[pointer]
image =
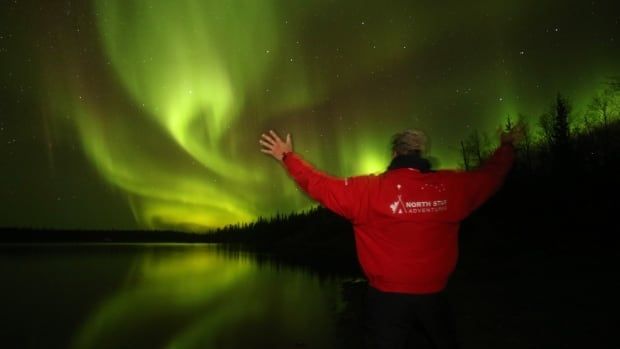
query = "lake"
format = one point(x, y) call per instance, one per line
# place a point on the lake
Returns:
point(162, 296)
point(205, 296)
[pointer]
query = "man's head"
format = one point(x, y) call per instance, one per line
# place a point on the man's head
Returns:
point(409, 142)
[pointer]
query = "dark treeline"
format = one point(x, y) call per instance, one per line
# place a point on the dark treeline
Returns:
point(562, 190)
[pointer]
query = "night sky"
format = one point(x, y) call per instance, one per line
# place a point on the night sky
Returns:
point(121, 114)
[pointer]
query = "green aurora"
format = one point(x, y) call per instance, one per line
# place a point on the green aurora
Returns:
point(166, 100)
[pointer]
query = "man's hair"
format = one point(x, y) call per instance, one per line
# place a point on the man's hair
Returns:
point(409, 142)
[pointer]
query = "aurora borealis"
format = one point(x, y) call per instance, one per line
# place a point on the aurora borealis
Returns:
point(147, 113)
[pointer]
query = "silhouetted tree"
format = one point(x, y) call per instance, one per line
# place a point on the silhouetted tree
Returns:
point(545, 121)
point(561, 126)
point(526, 145)
point(600, 108)
point(556, 131)
point(588, 124)
point(475, 149)
point(471, 150)
point(465, 156)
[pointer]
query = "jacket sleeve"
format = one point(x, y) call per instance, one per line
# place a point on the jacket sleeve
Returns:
point(339, 195)
point(479, 185)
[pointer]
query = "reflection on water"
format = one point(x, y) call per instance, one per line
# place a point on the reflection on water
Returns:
point(161, 296)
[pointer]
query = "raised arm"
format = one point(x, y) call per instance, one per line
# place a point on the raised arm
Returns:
point(337, 194)
point(479, 185)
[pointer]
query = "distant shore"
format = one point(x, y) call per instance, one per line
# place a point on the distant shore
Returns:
point(33, 235)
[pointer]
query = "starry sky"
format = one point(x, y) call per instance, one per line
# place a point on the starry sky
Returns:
point(146, 114)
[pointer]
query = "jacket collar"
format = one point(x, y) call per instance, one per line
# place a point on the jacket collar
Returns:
point(410, 161)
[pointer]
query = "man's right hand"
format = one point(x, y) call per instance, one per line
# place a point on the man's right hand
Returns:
point(274, 146)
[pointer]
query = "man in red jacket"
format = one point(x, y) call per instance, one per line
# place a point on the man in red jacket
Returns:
point(406, 223)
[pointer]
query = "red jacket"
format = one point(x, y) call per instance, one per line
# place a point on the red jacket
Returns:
point(406, 222)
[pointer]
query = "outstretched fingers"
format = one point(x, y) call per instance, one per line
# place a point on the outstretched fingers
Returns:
point(266, 144)
point(267, 139)
point(275, 136)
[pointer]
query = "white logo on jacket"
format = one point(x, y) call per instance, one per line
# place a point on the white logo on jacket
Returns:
point(398, 206)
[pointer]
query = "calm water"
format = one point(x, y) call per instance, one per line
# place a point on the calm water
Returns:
point(160, 296)
point(199, 296)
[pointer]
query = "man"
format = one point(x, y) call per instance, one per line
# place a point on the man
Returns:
point(406, 223)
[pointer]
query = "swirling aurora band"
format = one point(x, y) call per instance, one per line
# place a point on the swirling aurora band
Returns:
point(168, 98)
